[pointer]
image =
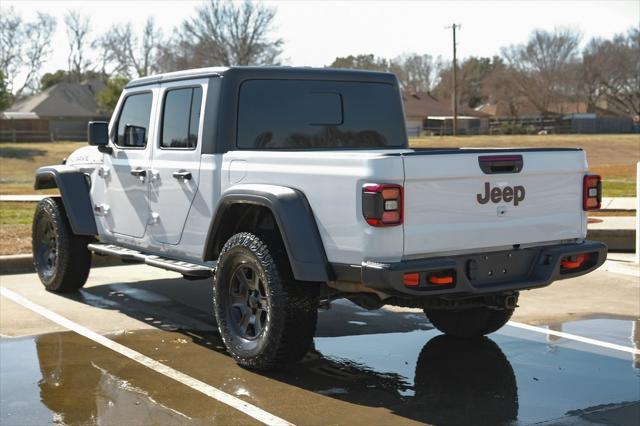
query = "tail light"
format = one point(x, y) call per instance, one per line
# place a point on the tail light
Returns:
point(382, 205)
point(591, 192)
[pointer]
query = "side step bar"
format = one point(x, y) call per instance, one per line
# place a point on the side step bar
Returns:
point(185, 268)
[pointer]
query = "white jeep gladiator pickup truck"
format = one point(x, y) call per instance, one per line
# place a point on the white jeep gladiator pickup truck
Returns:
point(293, 187)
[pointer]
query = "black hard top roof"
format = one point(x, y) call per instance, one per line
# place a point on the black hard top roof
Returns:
point(270, 72)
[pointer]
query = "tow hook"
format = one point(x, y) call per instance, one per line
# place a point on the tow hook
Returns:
point(507, 301)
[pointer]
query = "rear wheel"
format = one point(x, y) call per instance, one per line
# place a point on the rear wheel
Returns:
point(61, 258)
point(468, 323)
point(266, 319)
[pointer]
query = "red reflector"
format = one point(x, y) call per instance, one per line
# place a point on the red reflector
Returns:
point(574, 264)
point(411, 279)
point(391, 217)
point(439, 279)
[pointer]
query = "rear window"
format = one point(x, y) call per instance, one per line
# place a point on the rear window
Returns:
point(294, 114)
point(181, 117)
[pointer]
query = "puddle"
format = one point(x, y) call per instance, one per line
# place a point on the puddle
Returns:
point(418, 375)
point(63, 378)
point(378, 367)
point(611, 330)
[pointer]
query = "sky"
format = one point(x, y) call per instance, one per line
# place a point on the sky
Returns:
point(316, 32)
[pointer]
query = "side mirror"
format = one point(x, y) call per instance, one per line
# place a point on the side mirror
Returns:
point(98, 135)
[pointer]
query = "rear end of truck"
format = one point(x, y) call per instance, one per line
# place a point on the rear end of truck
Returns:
point(479, 226)
point(485, 221)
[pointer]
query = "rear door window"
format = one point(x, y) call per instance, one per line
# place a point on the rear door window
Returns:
point(299, 114)
point(181, 117)
point(133, 122)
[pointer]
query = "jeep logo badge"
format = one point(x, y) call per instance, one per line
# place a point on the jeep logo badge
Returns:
point(506, 194)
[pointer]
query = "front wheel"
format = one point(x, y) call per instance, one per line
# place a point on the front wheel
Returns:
point(468, 323)
point(266, 319)
point(60, 257)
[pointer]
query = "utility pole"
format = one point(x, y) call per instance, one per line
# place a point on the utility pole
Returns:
point(455, 82)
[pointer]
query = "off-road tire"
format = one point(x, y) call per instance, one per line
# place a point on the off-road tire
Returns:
point(286, 330)
point(468, 323)
point(61, 258)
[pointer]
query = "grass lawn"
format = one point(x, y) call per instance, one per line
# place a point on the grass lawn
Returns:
point(15, 227)
point(612, 156)
point(19, 161)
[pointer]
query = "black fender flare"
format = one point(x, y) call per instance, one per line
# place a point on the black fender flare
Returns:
point(74, 190)
point(296, 223)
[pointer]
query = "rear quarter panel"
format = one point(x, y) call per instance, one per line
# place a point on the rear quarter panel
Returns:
point(332, 182)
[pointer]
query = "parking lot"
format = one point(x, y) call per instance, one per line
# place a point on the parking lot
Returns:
point(139, 346)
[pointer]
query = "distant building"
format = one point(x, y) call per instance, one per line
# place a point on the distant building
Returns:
point(59, 113)
point(426, 114)
point(560, 117)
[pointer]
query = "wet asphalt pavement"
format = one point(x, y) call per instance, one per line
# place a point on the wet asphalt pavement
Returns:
point(368, 367)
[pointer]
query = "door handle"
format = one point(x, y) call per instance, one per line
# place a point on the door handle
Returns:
point(139, 172)
point(182, 175)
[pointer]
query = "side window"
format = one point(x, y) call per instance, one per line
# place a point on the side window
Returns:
point(180, 118)
point(133, 123)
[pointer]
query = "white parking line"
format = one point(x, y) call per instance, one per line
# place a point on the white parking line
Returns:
point(574, 337)
point(230, 400)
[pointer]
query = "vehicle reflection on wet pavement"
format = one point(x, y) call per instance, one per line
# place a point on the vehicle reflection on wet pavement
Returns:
point(374, 367)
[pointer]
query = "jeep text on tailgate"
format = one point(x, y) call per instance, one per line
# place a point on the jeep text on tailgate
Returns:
point(293, 187)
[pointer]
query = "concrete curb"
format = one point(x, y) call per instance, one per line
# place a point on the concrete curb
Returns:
point(23, 263)
point(615, 239)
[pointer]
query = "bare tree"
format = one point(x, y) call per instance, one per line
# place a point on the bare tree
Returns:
point(24, 47)
point(472, 76)
point(541, 65)
point(418, 73)
point(78, 28)
point(129, 55)
point(362, 62)
point(12, 40)
point(226, 33)
point(611, 71)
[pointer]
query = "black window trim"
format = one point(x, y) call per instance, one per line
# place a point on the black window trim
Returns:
point(164, 99)
point(124, 101)
point(235, 147)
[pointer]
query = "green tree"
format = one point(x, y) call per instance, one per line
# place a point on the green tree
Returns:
point(52, 78)
point(5, 95)
point(61, 76)
point(108, 98)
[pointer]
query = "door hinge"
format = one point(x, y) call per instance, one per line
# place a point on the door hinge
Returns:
point(101, 209)
point(103, 172)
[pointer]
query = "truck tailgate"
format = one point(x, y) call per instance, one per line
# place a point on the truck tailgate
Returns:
point(452, 204)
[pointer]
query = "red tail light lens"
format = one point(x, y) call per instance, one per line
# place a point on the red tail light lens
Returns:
point(591, 192)
point(382, 204)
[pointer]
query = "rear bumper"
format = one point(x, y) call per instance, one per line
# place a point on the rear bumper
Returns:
point(484, 273)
